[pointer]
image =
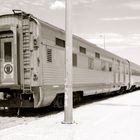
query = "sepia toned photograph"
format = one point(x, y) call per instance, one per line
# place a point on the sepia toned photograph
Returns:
point(69, 70)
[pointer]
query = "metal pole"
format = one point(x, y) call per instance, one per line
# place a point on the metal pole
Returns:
point(103, 36)
point(68, 104)
point(104, 41)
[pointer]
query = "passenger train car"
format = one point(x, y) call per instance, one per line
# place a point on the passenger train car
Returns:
point(32, 65)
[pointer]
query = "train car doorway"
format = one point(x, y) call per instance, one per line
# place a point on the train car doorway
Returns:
point(8, 66)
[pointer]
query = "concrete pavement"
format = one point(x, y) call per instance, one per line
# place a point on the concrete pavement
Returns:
point(112, 119)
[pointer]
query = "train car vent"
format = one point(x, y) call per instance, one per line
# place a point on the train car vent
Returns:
point(49, 55)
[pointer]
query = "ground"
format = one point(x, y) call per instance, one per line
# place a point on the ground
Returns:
point(115, 118)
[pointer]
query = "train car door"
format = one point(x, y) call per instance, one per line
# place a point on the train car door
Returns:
point(114, 71)
point(119, 74)
point(0, 64)
point(124, 76)
point(7, 61)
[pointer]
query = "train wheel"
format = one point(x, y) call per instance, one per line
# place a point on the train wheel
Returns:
point(77, 97)
point(58, 101)
point(132, 88)
point(122, 90)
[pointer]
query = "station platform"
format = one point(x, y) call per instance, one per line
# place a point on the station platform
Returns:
point(116, 118)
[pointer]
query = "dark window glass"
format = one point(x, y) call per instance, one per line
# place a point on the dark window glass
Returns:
point(74, 60)
point(97, 55)
point(135, 72)
point(60, 42)
point(8, 51)
point(110, 68)
point(82, 50)
point(0, 52)
point(103, 65)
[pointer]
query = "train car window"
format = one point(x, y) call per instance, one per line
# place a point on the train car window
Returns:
point(110, 67)
point(135, 72)
point(49, 55)
point(103, 65)
point(74, 60)
point(90, 63)
point(97, 55)
point(60, 42)
point(8, 51)
point(82, 50)
point(0, 53)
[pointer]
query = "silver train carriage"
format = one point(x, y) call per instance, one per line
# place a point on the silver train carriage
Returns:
point(32, 65)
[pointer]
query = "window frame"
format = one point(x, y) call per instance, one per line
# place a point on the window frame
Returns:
point(7, 52)
point(97, 55)
point(82, 50)
point(60, 42)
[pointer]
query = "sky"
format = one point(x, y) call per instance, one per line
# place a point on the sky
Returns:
point(113, 24)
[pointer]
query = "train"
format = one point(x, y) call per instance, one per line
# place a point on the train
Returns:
point(32, 65)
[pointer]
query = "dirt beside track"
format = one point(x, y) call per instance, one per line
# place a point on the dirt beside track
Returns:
point(10, 119)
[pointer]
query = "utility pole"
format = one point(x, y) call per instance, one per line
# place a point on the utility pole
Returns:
point(104, 41)
point(103, 36)
point(68, 100)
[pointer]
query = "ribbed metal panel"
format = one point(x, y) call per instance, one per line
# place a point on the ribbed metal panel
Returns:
point(9, 20)
point(16, 20)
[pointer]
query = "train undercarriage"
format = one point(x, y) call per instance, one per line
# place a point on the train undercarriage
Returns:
point(15, 99)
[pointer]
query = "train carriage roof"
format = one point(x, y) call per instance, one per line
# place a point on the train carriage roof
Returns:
point(103, 51)
point(43, 23)
point(81, 40)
